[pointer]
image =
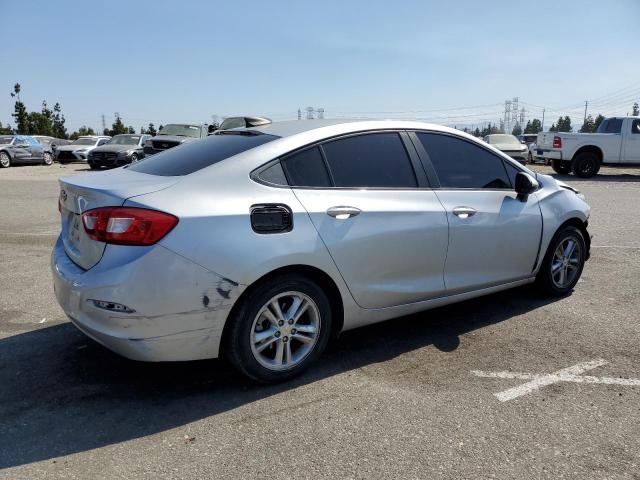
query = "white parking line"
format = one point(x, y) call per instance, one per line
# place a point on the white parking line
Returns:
point(570, 374)
point(617, 246)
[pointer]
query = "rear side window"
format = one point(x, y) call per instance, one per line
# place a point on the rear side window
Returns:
point(610, 125)
point(193, 156)
point(461, 164)
point(307, 169)
point(370, 160)
point(635, 126)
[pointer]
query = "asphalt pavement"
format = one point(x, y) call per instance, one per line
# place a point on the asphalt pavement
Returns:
point(474, 390)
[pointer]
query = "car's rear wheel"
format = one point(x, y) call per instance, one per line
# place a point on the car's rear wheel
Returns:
point(47, 158)
point(561, 167)
point(279, 329)
point(5, 160)
point(563, 263)
point(586, 165)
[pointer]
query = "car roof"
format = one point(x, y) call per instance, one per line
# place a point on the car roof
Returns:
point(295, 127)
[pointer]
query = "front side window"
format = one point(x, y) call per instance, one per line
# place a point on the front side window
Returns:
point(376, 160)
point(461, 164)
point(6, 140)
point(635, 127)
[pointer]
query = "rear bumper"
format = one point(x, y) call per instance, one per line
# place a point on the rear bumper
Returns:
point(170, 321)
point(549, 154)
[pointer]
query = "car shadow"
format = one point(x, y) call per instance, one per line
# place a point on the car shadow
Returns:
point(62, 393)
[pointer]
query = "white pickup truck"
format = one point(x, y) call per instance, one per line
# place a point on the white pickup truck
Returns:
point(616, 142)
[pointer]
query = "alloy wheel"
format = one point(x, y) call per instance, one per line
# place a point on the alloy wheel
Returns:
point(566, 262)
point(285, 330)
point(5, 161)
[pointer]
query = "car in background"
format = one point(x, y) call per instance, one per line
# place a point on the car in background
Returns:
point(243, 122)
point(174, 134)
point(529, 139)
point(23, 149)
point(261, 244)
point(510, 145)
point(616, 142)
point(119, 150)
point(79, 149)
point(51, 142)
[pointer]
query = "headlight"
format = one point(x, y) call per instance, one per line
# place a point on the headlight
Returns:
point(581, 196)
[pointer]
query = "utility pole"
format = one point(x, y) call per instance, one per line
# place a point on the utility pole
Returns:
point(542, 126)
point(320, 112)
point(585, 110)
point(104, 124)
point(299, 114)
point(309, 113)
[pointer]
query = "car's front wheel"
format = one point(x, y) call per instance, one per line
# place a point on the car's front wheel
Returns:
point(563, 263)
point(5, 160)
point(561, 167)
point(279, 329)
point(47, 158)
point(134, 157)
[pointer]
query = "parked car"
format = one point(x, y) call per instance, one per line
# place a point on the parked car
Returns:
point(79, 149)
point(616, 142)
point(529, 139)
point(243, 122)
point(51, 142)
point(22, 149)
point(174, 134)
point(119, 150)
point(260, 244)
point(510, 145)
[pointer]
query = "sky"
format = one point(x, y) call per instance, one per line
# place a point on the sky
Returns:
point(448, 62)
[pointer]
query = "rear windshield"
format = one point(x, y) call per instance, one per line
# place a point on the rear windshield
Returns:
point(193, 156)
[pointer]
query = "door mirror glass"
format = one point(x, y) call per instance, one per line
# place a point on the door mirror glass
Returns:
point(525, 184)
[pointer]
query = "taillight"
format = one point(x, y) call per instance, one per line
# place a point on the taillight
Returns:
point(127, 226)
point(557, 142)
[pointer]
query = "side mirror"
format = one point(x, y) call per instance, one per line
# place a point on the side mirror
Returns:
point(525, 185)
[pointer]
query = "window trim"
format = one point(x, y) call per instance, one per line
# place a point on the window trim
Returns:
point(417, 168)
point(430, 169)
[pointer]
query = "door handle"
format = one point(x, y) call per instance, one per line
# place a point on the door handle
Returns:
point(342, 213)
point(464, 212)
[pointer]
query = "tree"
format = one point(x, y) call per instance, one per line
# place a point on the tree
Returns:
point(82, 131)
point(636, 109)
point(533, 126)
point(118, 128)
point(131, 130)
point(563, 125)
point(59, 130)
point(599, 119)
point(20, 112)
point(517, 130)
point(588, 126)
point(5, 130)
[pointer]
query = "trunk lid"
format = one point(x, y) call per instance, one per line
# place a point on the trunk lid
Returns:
point(100, 189)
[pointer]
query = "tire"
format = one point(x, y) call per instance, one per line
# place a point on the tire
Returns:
point(550, 278)
point(561, 167)
point(249, 323)
point(47, 158)
point(585, 165)
point(5, 160)
point(134, 157)
point(93, 166)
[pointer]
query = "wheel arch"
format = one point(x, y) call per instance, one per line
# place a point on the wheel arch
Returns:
point(589, 149)
point(322, 278)
point(580, 225)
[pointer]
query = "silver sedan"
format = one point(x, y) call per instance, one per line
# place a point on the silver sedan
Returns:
point(263, 243)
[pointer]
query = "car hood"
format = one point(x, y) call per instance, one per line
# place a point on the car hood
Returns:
point(172, 138)
point(114, 148)
point(72, 148)
point(509, 146)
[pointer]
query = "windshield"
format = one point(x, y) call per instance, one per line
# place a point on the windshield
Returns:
point(124, 140)
point(5, 140)
point(181, 130)
point(508, 139)
point(193, 156)
point(85, 141)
